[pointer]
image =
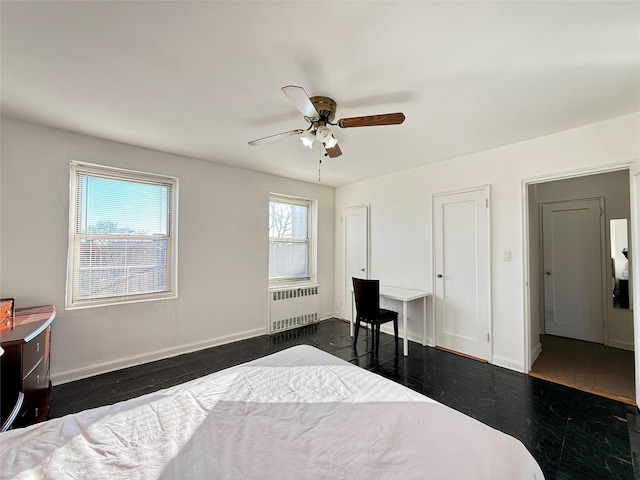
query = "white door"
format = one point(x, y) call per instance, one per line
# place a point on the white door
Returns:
point(462, 284)
point(572, 269)
point(355, 245)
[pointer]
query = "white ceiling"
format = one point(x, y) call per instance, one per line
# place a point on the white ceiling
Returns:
point(201, 79)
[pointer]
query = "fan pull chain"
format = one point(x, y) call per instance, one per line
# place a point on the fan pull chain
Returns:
point(319, 162)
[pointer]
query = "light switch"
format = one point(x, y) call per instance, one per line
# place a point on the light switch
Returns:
point(506, 256)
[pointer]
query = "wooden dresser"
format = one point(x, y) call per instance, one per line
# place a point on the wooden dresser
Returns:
point(25, 380)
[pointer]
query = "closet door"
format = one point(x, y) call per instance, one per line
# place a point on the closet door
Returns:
point(462, 284)
point(572, 269)
point(354, 223)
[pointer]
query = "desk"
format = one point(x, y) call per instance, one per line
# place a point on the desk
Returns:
point(405, 295)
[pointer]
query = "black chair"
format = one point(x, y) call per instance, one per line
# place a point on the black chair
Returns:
point(367, 295)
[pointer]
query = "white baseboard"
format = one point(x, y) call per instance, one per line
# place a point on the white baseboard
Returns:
point(621, 344)
point(535, 353)
point(105, 367)
point(507, 363)
point(387, 328)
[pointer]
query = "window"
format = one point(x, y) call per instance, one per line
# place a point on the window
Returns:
point(291, 227)
point(122, 239)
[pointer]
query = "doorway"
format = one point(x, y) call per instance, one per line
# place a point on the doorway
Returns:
point(584, 203)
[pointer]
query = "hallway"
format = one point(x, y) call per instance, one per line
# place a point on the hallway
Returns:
point(587, 366)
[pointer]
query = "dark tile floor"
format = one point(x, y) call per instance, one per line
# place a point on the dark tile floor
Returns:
point(572, 434)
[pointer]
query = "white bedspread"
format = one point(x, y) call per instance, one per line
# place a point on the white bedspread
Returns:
point(300, 413)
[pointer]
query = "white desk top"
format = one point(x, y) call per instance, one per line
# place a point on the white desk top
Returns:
point(403, 294)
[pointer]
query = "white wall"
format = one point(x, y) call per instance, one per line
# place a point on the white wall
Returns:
point(222, 250)
point(609, 142)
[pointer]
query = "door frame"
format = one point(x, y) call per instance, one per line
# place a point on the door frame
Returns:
point(529, 354)
point(486, 188)
point(345, 303)
point(634, 178)
point(603, 265)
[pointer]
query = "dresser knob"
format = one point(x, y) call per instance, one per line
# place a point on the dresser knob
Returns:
point(37, 346)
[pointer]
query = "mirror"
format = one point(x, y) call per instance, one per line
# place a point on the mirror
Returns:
point(620, 262)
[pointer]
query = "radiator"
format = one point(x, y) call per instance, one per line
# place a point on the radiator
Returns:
point(293, 307)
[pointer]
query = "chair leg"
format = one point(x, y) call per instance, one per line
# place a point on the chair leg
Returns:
point(377, 343)
point(355, 333)
point(395, 332)
point(372, 326)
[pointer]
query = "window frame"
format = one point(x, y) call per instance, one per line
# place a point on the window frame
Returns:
point(311, 239)
point(73, 254)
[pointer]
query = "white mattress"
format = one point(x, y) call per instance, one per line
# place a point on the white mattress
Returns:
point(299, 413)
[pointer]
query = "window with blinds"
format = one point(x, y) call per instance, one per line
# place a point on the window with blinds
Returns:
point(122, 242)
point(290, 238)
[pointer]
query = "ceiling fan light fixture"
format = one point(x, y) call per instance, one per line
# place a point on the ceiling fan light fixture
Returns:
point(307, 138)
point(325, 136)
point(323, 133)
point(331, 142)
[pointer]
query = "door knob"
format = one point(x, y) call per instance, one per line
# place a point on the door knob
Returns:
point(439, 275)
point(547, 272)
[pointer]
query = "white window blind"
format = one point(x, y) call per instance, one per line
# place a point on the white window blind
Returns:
point(289, 238)
point(122, 236)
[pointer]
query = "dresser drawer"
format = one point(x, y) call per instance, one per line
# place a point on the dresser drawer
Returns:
point(37, 392)
point(33, 352)
point(37, 379)
point(31, 413)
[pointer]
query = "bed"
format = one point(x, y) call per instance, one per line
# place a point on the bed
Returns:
point(298, 413)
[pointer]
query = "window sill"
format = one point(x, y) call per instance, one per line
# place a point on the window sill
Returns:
point(286, 285)
point(125, 300)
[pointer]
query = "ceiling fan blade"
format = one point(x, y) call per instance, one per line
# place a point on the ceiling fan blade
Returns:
point(300, 100)
point(278, 136)
point(372, 120)
point(334, 152)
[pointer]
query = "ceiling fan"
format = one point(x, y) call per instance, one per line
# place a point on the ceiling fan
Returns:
point(320, 112)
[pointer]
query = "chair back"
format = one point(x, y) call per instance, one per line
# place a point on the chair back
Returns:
point(367, 295)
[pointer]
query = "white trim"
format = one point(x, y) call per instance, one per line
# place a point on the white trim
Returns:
point(526, 297)
point(455, 191)
point(388, 329)
point(621, 344)
point(307, 284)
point(507, 363)
point(581, 172)
point(106, 169)
point(635, 266)
point(536, 353)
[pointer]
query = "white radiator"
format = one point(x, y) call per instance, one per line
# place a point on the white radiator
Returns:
point(293, 307)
